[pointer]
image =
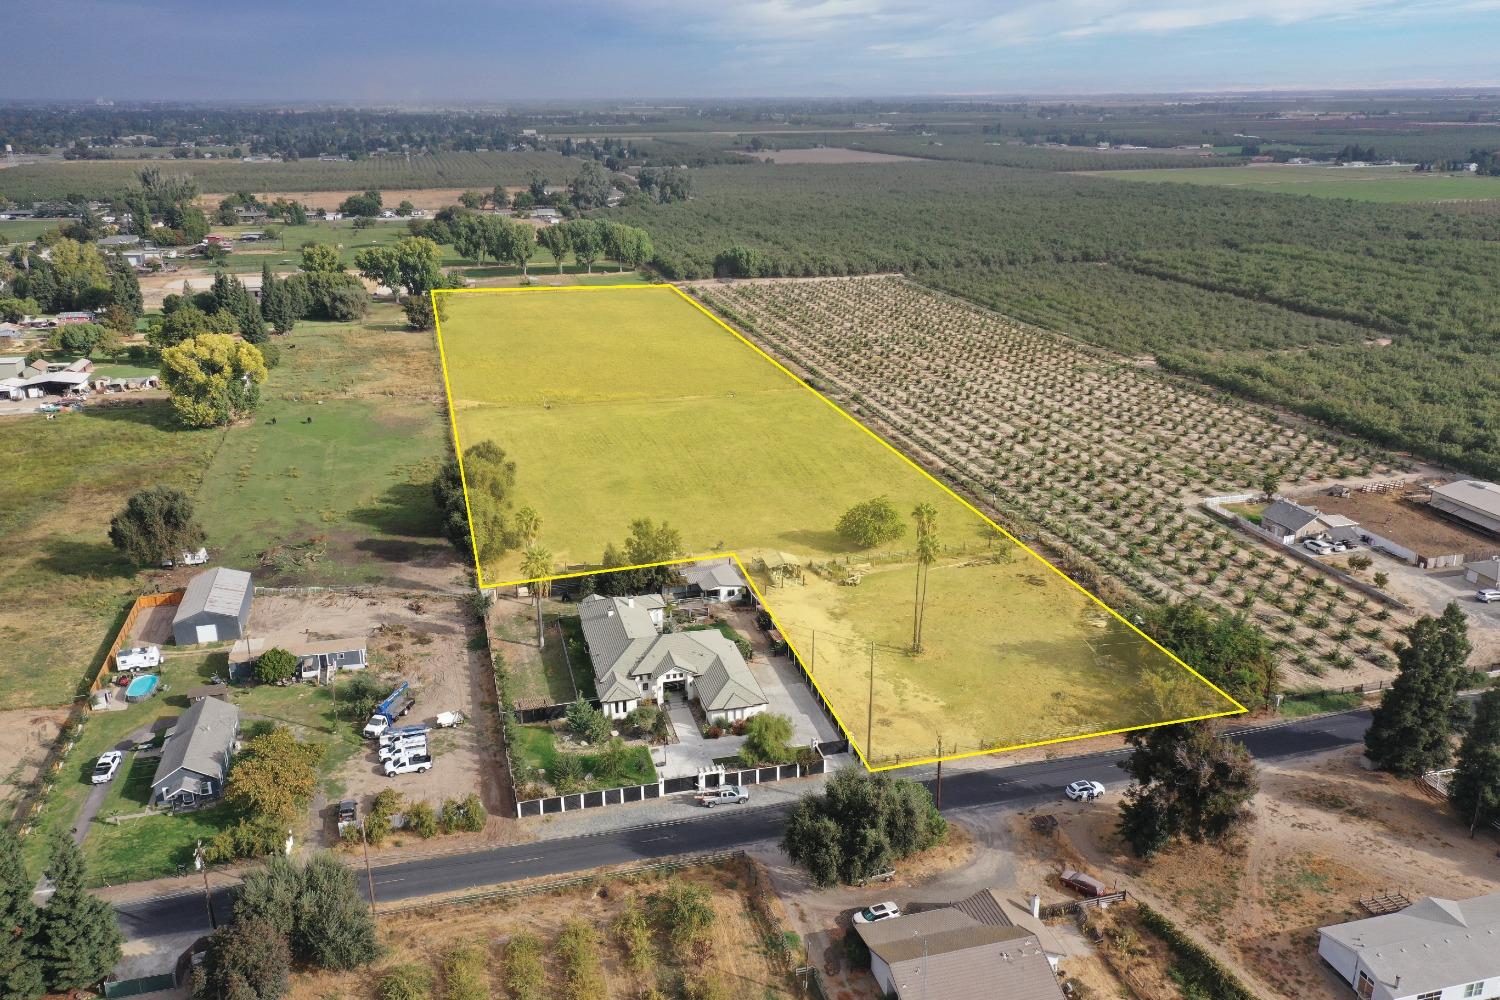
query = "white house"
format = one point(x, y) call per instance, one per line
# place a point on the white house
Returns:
point(635, 660)
point(716, 581)
point(1435, 949)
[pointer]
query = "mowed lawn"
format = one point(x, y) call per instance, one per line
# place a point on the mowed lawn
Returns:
point(341, 453)
point(617, 405)
point(1389, 184)
point(63, 588)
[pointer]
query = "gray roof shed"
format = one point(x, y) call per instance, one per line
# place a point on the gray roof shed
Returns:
point(215, 607)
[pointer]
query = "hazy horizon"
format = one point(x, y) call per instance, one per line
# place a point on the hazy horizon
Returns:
point(470, 51)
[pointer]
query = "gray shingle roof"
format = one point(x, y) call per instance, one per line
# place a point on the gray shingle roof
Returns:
point(947, 953)
point(1289, 515)
point(1432, 944)
point(220, 591)
point(201, 741)
point(712, 575)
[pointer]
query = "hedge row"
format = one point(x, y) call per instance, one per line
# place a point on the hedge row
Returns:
point(1201, 967)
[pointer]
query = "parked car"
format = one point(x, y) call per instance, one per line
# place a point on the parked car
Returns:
point(1489, 595)
point(729, 793)
point(348, 814)
point(413, 763)
point(878, 912)
point(883, 875)
point(1317, 546)
point(138, 658)
point(404, 732)
point(106, 766)
point(404, 748)
point(1085, 884)
point(1084, 791)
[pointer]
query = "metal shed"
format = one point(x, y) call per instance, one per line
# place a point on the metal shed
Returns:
point(215, 607)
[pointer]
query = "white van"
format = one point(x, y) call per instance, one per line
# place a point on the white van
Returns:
point(138, 658)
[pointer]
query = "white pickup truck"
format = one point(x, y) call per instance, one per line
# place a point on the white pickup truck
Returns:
point(412, 763)
point(729, 793)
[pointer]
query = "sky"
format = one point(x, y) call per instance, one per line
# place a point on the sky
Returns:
point(432, 51)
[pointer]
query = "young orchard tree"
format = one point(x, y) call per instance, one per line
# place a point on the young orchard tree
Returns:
point(156, 524)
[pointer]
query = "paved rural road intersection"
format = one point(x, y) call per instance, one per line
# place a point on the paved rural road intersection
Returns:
point(1006, 787)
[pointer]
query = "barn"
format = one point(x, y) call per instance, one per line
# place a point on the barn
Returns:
point(215, 607)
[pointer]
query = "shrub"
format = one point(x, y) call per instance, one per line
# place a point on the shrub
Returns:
point(634, 932)
point(275, 664)
point(578, 952)
point(522, 969)
point(406, 982)
point(464, 815)
point(421, 820)
point(466, 973)
point(683, 913)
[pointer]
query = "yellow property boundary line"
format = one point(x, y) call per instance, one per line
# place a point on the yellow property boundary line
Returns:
point(853, 743)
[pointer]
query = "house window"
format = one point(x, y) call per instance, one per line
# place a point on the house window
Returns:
point(1365, 987)
point(1434, 995)
point(1474, 990)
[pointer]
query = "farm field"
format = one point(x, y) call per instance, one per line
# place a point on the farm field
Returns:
point(733, 958)
point(1102, 459)
point(106, 178)
point(1390, 184)
point(635, 405)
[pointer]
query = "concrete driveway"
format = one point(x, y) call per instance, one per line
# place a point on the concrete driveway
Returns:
point(692, 751)
point(1428, 592)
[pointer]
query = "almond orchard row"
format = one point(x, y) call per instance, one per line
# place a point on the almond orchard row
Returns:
point(1102, 460)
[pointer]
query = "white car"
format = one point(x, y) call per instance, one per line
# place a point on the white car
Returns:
point(1488, 595)
point(107, 765)
point(877, 913)
point(1084, 791)
point(1317, 546)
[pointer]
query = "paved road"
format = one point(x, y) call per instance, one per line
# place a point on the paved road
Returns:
point(1009, 787)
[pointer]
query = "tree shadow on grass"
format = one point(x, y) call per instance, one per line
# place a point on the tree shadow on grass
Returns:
point(405, 510)
point(155, 413)
point(70, 557)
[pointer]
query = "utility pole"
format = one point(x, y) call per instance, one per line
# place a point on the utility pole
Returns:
point(940, 774)
point(369, 875)
point(208, 899)
point(870, 720)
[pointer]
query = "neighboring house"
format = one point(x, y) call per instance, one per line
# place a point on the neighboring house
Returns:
point(316, 660)
point(635, 661)
point(1435, 949)
point(58, 383)
point(118, 242)
point(1484, 573)
point(215, 607)
point(195, 760)
point(143, 255)
point(12, 367)
point(11, 331)
point(81, 316)
point(715, 581)
point(249, 213)
point(1475, 503)
point(948, 952)
point(12, 389)
point(1292, 522)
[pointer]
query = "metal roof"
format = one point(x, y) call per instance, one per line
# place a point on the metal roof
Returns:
point(219, 591)
point(948, 953)
point(1432, 944)
point(1475, 495)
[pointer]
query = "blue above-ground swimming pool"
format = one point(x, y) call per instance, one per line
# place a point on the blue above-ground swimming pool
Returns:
point(142, 687)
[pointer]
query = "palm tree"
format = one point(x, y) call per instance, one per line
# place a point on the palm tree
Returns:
point(927, 553)
point(536, 565)
point(528, 524)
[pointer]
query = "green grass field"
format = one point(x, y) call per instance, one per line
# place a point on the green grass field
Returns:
point(1388, 184)
point(617, 405)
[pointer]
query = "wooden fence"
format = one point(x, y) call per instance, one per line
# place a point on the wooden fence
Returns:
point(142, 603)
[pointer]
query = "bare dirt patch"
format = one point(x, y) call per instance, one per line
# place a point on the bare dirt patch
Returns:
point(736, 953)
point(1405, 522)
point(425, 640)
point(833, 155)
point(430, 199)
point(1324, 834)
point(26, 735)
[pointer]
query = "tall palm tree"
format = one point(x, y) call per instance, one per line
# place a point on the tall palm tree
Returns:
point(536, 565)
point(927, 553)
point(528, 525)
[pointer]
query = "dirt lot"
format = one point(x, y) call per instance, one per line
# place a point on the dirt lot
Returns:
point(736, 955)
point(424, 640)
point(26, 735)
point(1404, 522)
point(1323, 836)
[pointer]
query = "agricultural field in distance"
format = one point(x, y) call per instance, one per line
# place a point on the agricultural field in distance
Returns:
point(106, 178)
point(1390, 184)
point(1105, 461)
point(634, 404)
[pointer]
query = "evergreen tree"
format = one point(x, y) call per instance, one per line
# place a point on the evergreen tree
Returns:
point(334, 926)
point(1188, 783)
point(277, 302)
point(250, 960)
point(1474, 789)
point(78, 940)
point(20, 973)
point(124, 289)
point(1412, 729)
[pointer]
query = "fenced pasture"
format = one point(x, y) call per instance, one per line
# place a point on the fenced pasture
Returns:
point(1098, 457)
point(108, 178)
point(631, 403)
